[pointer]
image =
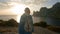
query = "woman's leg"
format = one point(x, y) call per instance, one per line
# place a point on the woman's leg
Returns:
point(28, 33)
point(21, 32)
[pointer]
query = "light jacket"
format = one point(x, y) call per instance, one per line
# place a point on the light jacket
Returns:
point(23, 20)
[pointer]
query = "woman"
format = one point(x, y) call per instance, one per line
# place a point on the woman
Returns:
point(25, 18)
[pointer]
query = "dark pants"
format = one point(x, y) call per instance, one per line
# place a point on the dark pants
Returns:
point(28, 33)
point(25, 33)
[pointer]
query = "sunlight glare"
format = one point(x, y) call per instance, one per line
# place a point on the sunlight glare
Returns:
point(18, 8)
point(18, 18)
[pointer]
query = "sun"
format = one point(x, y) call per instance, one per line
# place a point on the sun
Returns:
point(17, 9)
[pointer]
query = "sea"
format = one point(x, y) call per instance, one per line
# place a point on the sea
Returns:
point(7, 17)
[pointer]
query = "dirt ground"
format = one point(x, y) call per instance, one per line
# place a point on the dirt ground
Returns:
point(14, 30)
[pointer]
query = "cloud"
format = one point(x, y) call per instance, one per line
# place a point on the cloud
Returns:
point(5, 5)
point(5, 0)
point(33, 1)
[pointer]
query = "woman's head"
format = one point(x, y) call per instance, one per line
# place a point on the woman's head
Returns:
point(27, 10)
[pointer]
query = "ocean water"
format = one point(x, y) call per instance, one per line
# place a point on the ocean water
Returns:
point(53, 21)
point(49, 20)
point(38, 19)
point(7, 17)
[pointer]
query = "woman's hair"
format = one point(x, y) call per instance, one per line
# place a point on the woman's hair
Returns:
point(27, 9)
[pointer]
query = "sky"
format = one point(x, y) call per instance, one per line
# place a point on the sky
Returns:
point(11, 7)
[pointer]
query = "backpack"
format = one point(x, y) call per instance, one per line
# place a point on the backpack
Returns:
point(27, 26)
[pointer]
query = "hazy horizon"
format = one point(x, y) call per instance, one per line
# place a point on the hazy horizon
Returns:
point(17, 18)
